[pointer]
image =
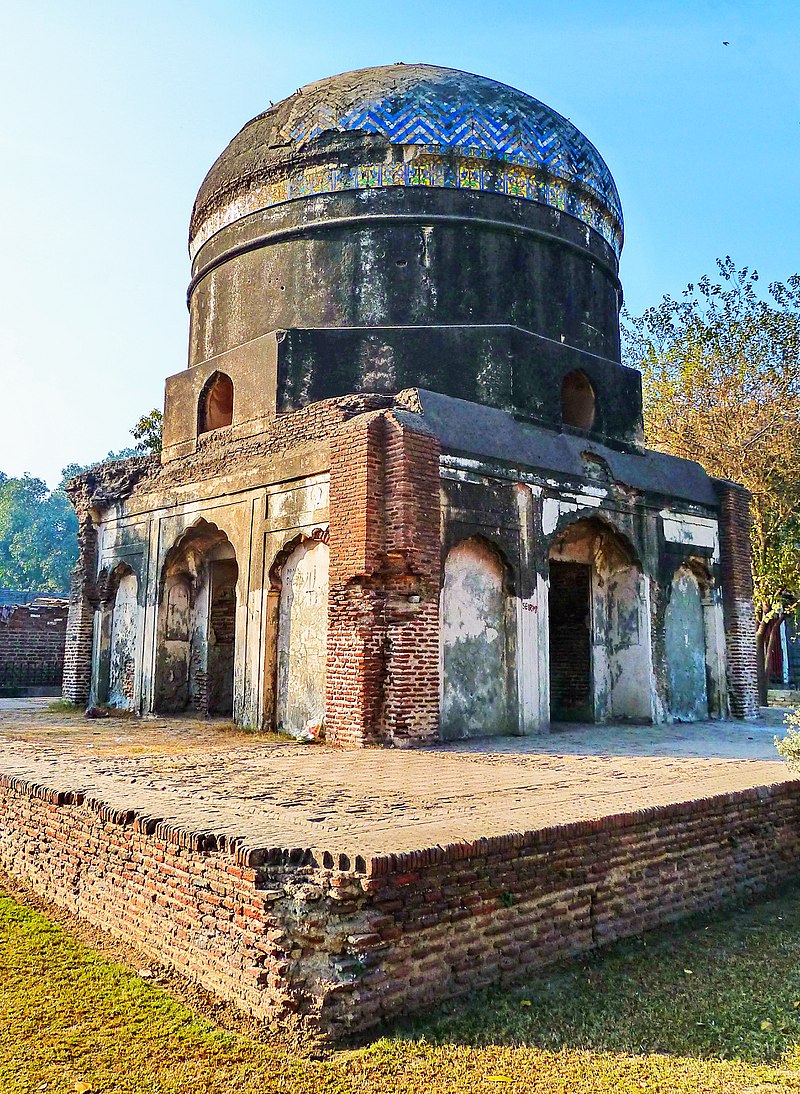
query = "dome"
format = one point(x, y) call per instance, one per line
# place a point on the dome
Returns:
point(408, 126)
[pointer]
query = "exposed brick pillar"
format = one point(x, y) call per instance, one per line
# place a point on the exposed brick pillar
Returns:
point(383, 617)
point(355, 635)
point(737, 597)
point(413, 563)
point(82, 601)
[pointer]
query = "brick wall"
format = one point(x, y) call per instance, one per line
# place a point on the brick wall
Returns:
point(342, 944)
point(32, 647)
point(737, 597)
point(383, 608)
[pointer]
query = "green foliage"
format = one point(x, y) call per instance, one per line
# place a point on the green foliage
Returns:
point(721, 384)
point(712, 1007)
point(38, 545)
point(789, 746)
point(148, 431)
point(38, 528)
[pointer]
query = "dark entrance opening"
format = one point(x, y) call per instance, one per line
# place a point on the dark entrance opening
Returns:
point(570, 642)
point(221, 635)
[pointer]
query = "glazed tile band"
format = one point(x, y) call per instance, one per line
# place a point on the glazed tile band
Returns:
point(463, 173)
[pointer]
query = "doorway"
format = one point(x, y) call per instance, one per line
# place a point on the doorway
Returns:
point(570, 627)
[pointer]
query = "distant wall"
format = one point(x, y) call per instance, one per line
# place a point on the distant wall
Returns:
point(32, 648)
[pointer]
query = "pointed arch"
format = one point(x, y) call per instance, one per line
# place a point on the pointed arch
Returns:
point(215, 405)
point(477, 621)
point(197, 622)
point(578, 401)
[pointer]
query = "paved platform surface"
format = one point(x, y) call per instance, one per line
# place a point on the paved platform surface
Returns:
point(211, 776)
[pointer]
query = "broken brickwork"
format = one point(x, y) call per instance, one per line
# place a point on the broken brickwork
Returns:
point(383, 647)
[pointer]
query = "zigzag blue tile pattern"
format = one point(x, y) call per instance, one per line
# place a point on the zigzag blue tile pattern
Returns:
point(451, 112)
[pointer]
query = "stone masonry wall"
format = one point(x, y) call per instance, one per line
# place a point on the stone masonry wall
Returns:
point(343, 944)
point(32, 647)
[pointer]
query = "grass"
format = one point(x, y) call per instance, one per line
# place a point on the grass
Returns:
point(63, 706)
point(713, 1007)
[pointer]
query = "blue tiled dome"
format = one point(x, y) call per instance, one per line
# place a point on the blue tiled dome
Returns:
point(456, 129)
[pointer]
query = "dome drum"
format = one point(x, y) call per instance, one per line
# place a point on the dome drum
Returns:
point(388, 258)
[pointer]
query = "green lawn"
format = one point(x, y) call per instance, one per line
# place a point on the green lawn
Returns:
point(711, 1007)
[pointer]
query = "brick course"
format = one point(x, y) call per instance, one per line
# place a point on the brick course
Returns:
point(385, 563)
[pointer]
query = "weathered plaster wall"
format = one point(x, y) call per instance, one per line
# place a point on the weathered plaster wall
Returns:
point(686, 649)
point(303, 637)
point(477, 656)
point(124, 640)
point(266, 495)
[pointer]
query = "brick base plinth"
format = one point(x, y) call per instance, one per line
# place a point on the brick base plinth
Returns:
point(342, 944)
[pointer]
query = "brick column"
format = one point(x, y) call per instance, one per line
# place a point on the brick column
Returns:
point(737, 597)
point(413, 558)
point(383, 614)
point(82, 602)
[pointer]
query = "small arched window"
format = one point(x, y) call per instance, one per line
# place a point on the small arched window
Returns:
point(216, 403)
point(577, 400)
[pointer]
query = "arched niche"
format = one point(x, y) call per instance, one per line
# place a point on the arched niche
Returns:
point(117, 621)
point(197, 623)
point(599, 645)
point(124, 635)
point(477, 656)
point(578, 404)
point(689, 641)
point(300, 594)
point(215, 406)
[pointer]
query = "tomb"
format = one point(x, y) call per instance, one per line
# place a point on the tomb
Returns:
point(403, 493)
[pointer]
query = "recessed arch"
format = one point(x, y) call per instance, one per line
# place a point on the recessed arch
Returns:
point(598, 623)
point(117, 621)
point(215, 406)
point(299, 590)
point(693, 643)
point(578, 402)
point(477, 620)
point(197, 622)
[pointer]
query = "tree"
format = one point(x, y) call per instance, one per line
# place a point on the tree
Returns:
point(37, 536)
point(148, 431)
point(721, 382)
point(38, 528)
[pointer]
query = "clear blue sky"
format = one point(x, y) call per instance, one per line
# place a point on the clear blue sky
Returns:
point(113, 112)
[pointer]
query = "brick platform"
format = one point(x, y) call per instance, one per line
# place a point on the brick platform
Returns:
point(345, 888)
